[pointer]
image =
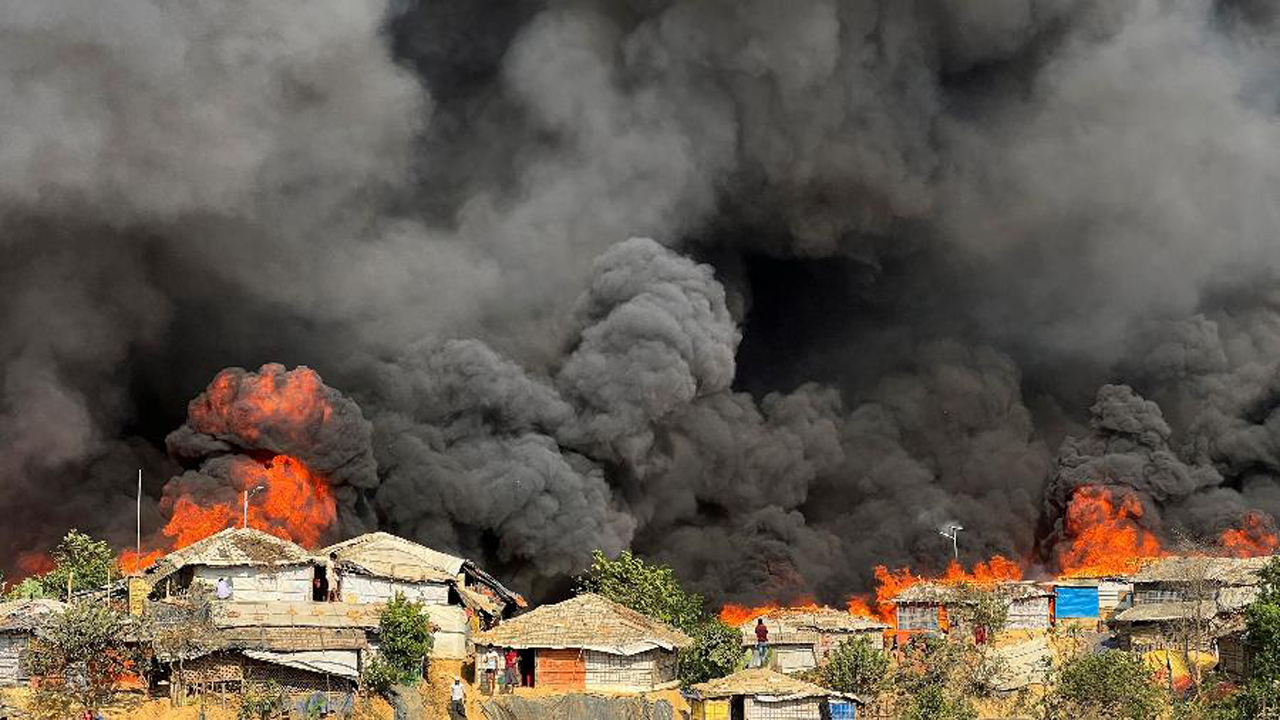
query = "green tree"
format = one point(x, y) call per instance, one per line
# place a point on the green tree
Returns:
point(86, 562)
point(29, 589)
point(653, 590)
point(80, 654)
point(1261, 696)
point(1111, 684)
point(934, 679)
point(856, 665)
point(404, 636)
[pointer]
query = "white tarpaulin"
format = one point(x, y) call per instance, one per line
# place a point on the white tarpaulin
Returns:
point(343, 663)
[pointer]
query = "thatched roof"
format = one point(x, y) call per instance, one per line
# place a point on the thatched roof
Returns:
point(232, 547)
point(927, 593)
point(293, 639)
point(1219, 571)
point(587, 621)
point(763, 683)
point(385, 555)
point(20, 616)
point(797, 626)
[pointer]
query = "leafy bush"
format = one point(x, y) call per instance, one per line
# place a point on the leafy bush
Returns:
point(1111, 684)
point(716, 652)
point(937, 679)
point(856, 665)
point(80, 655)
point(29, 589)
point(378, 676)
point(404, 634)
point(261, 704)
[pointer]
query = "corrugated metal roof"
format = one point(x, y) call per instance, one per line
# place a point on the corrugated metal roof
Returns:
point(27, 615)
point(1222, 571)
point(758, 682)
point(587, 621)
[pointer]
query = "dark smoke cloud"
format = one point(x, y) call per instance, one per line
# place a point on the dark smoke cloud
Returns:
point(899, 245)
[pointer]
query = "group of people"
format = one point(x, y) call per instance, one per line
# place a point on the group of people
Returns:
point(490, 679)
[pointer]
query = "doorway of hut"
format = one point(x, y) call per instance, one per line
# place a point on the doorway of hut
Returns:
point(738, 708)
point(527, 663)
point(319, 585)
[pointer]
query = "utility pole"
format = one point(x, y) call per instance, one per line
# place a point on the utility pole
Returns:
point(952, 533)
point(247, 495)
point(138, 527)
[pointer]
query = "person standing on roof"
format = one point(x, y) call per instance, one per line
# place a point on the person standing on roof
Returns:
point(762, 642)
point(331, 576)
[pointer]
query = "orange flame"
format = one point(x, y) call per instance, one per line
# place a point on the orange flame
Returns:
point(130, 562)
point(1254, 537)
point(33, 563)
point(737, 614)
point(245, 404)
point(891, 582)
point(1106, 535)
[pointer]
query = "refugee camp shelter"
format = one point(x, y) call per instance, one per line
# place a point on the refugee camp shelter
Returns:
point(932, 607)
point(1091, 598)
point(375, 566)
point(1235, 657)
point(1180, 600)
point(802, 638)
point(591, 643)
point(19, 621)
point(762, 694)
point(258, 566)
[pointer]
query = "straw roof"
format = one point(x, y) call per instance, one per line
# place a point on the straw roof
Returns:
point(230, 548)
point(1220, 571)
point(761, 682)
point(587, 621)
point(293, 639)
point(803, 626)
point(27, 615)
point(1165, 611)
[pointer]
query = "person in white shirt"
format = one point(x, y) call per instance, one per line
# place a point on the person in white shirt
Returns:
point(490, 670)
point(223, 590)
point(457, 705)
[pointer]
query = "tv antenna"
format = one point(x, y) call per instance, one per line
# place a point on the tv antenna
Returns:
point(248, 494)
point(952, 533)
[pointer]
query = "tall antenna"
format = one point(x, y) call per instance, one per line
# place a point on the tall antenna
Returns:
point(248, 494)
point(952, 533)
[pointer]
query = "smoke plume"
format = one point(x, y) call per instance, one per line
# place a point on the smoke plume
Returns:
point(912, 262)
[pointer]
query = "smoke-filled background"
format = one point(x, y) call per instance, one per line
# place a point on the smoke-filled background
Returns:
point(911, 262)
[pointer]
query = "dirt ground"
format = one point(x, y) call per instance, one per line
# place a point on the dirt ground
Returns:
point(137, 707)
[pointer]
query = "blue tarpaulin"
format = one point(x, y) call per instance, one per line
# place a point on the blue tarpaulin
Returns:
point(843, 710)
point(1077, 602)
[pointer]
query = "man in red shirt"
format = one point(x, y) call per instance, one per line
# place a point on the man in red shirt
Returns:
point(762, 642)
point(512, 676)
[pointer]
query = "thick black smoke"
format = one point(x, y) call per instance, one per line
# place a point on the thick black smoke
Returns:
point(898, 246)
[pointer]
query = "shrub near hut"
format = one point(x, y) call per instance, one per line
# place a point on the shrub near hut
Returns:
point(78, 659)
point(404, 636)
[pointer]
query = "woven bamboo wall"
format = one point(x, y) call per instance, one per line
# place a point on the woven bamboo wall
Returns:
point(643, 671)
point(261, 584)
point(560, 669)
point(1028, 614)
point(221, 668)
point(808, 709)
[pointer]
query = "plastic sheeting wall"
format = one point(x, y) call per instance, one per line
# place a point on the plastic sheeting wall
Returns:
point(1077, 602)
point(793, 658)
point(365, 589)
point(1028, 614)
point(262, 584)
point(642, 671)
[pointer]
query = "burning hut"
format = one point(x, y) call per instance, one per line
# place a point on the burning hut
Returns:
point(19, 621)
point(802, 638)
point(590, 643)
point(931, 607)
point(376, 566)
point(1187, 602)
point(258, 567)
point(761, 694)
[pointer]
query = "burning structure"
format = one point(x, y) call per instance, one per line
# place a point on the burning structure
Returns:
point(801, 638)
point(905, 265)
point(1188, 602)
